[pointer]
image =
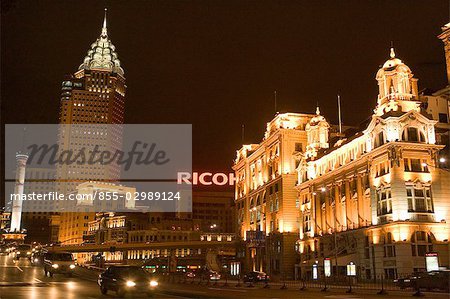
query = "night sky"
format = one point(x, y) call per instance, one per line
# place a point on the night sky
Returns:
point(215, 64)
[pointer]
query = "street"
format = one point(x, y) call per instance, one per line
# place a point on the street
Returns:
point(18, 279)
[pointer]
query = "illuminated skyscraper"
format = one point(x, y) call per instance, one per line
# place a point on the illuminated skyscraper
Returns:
point(91, 112)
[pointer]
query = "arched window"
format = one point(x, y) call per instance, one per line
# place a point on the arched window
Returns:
point(421, 243)
point(413, 134)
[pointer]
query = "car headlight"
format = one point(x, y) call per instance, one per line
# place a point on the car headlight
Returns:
point(153, 283)
point(72, 266)
point(55, 266)
point(28, 252)
point(130, 283)
point(36, 260)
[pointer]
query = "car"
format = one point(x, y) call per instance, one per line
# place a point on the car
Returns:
point(214, 275)
point(58, 263)
point(408, 281)
point(4, 250)
point(434, 280)
point(37, 258)
point(23, 251)
point(127, 279)
point(256, 276)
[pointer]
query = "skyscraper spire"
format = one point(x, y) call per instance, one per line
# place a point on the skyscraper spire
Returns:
point(104, 29)
point(102, 55)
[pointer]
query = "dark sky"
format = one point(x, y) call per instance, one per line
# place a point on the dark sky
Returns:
point(215, 64)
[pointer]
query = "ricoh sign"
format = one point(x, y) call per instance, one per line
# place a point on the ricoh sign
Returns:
point(205, 178)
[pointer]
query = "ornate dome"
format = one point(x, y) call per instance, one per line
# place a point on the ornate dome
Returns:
point(391, 64)
point(102, 54)
point(317, 119)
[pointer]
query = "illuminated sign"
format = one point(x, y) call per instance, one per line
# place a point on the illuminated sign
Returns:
point(315, 273)
point(327, 267)
point(206, 178)
point(235, 268)
point(351, 269)
point(432, 262)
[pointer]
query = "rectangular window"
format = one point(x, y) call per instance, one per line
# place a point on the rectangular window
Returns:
point(298, 147)
point(384, 202)
point(306, 223)
point(413, 134)
point(443, 118)
point(382, 168)
point(419, 199)
point(421, 250)
point(415, 165)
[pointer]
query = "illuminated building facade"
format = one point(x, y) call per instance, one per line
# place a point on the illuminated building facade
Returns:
point(214, 211)
point(380, 197)
point(88, 194)
point(265, 196)
point(93, 98)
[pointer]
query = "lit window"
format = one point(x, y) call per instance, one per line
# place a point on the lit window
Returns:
point(419, 198)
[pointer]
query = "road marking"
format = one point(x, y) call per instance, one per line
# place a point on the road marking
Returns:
point(175, 296)
point(232, 290)
point(343, 297)
point(190, 291)
point(37, 280)
point(19, 268)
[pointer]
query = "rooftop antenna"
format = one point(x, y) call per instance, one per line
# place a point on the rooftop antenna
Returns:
point(243, 133)
point(275, 100)
point(339, 113)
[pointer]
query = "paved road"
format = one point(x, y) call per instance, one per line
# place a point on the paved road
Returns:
point(21, 280)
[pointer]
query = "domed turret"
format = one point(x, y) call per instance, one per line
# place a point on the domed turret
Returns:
point(317, 133)
point(102, 54)
point(396, 84)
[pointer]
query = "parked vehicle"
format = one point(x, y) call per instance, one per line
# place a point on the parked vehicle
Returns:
point(408, 281)
point(127, 279)
point(58, 263)
point(214, 275)
point(23, 251)
point(256, 276)
point(203, 274)
point(434, 280)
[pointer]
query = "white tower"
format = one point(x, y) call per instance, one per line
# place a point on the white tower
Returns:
point(16, 214)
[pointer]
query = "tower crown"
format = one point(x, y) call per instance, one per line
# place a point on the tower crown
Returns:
point(102, 55)
point(396, 86)
point(317, 134)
